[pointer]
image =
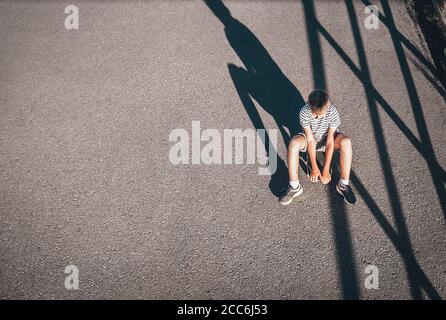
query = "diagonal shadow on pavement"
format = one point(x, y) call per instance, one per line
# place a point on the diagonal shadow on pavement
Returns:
point(400, 238)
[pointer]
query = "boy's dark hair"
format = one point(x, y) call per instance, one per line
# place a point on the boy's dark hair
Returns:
point(317, 100)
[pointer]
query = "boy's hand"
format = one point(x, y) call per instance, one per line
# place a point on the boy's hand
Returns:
point(315, 175)
point(326, 176)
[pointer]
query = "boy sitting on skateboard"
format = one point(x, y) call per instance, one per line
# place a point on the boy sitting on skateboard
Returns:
point(320, 121)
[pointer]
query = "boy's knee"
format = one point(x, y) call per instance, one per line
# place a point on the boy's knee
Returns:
point(346, 142)
point(295, 143)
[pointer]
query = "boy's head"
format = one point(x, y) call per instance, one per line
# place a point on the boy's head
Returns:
point(318, 101)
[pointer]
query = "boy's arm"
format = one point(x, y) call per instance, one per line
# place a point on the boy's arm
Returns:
point(329, 148)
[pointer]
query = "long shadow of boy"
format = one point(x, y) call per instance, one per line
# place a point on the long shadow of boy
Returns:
point(263, 81)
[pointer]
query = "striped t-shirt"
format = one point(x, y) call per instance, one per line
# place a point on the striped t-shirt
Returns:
point(320, 126)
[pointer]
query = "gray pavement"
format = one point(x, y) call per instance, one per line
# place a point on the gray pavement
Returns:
point(85, 176)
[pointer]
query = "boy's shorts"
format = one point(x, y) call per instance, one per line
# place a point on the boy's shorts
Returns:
point(320, 146)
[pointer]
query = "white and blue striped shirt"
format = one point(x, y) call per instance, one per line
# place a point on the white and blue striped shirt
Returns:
point(320, 126)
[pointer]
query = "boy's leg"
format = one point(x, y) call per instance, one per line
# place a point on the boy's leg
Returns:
point(343, 144)
point(297, 143)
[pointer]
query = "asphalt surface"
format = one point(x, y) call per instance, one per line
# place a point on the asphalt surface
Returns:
point(85, 176)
